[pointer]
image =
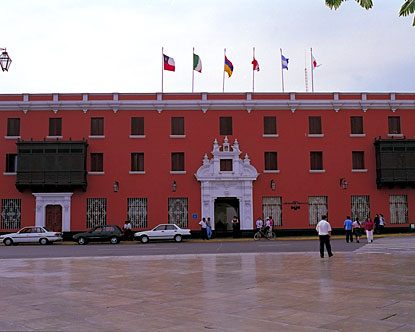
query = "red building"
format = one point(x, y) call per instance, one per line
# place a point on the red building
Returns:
point(72, 161)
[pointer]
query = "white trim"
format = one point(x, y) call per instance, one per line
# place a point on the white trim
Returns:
point(177, 136)
point(315, 135)
point(96, 173)
point(271, 170)
point(12, 137)
point(363, 170)
point(395, 135)
point(9, 173)
point(270, 135)
point(317, 171)
point(136, 172)
point(96, 136)
point(137, 136)
point(357, 135)
point(54, 137)
point(177, 172)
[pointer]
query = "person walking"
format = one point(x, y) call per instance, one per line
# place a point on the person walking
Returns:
point(203, 224)
point(323, 229)
point(376, 224)
point(369, 226)
point(382, 223)
point(357, 229)
point(348, 224)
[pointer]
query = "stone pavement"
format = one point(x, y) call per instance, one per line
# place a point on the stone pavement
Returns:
point(357, 291)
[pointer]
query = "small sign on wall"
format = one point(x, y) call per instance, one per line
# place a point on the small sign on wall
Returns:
point(194, 216)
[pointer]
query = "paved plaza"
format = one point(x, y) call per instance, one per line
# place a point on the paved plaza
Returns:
point(371, 289)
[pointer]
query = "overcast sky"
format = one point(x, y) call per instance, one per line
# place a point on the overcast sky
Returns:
point(69, 46)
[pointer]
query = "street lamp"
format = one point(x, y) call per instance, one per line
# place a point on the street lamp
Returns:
point(5, 60)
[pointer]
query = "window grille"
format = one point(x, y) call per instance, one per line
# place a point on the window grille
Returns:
point(137, 212)
point(398, 209)
point(178, 212)
point(360, 206)
point(96, 212)
point(272, 206)
point(317, 207)
point(11, 213)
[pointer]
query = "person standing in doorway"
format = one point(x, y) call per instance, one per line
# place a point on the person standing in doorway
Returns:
point(369, 225)
point(236, 226)
point(348, 228)
point(203, 225)
point(323, 229)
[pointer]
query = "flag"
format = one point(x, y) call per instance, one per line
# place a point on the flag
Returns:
point(255, 65)
point(228, 67)
point(284, 62)
point(315, 65)
point(197, 63)
point(169, 63)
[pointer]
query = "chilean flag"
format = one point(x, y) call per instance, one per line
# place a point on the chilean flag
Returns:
point(169, 63)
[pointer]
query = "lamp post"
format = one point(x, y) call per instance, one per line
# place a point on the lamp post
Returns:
point(5, 60)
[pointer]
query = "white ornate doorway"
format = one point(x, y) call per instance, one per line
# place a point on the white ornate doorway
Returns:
point(45, 199)
point(227, 176)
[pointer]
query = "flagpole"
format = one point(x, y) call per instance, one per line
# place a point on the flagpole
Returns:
point(312, 70)
point(282, 72)
point(162, 68)
point(193, 71)
point(253, 72)
point(223, 81)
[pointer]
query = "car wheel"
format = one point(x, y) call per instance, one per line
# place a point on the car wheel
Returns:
point(114, 240)
point(178, 238)
point(8, 242)
point(81, 240)
point(144, 239)
point(43, 241)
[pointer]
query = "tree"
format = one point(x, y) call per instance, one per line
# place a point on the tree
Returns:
point(407, 8)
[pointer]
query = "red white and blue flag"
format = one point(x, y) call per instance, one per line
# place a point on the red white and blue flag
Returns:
point(169, 63)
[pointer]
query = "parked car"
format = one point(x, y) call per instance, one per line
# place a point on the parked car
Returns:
point(32, 234)
point(163, 232)
point(111, 233)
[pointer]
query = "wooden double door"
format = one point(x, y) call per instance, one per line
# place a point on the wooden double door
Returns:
point(53, 220)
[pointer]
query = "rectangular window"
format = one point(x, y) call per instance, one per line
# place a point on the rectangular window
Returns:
point(270, 125)
point(314, 125)
point(226, 165)
point(394, 124)
point(13, 127)
point(225, 124)
point(358, 160)
point(11, 163)
point(272, 207)
point(177, 161)
point(356, 125)
point(178, 211)
point(97, 162)
point(360, 206)
point(317, 207)
point(316, 160)
point(55, 127)
point(398, 209)
point(137, 126)
point(96, 212)
point(271, 161)
point(97, 126)
point(11, 213)
point(137, 212)
point(177, 126)
point(137, 162)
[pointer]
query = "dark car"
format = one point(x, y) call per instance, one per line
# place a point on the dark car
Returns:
point(111, 233)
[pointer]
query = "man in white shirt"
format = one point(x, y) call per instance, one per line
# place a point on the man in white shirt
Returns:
point(259, 223)
point(323, 229)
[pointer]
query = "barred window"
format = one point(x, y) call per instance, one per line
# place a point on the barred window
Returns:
point(11, 213)
point(177, 126)
point(398, 209)
point(13, 127)
point(97, 126)
point(314, 125)
point(178, 211)
point(356, 124)
point(317, 207)
point(55, 127)
point(272, 207)
point(225, 125)
point(137, 126)
point(270, 125)
point(360, 206)
point(137, 212)
point(96, 212)
point(358, 160)
point(137, 162)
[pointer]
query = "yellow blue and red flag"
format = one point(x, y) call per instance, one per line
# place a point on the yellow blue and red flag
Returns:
point(228, 67)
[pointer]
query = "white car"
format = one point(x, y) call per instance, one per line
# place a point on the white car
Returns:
point(163, 232)
point(31, 234)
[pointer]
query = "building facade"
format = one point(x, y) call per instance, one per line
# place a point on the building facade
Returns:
point(73, 161)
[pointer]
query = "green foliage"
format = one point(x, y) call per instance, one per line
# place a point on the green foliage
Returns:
point(408, 8)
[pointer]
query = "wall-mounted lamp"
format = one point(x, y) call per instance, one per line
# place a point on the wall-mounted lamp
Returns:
point(5, 60)
point(273, 185)
point(174, 186)
point(343, 183)
point(116, 186)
